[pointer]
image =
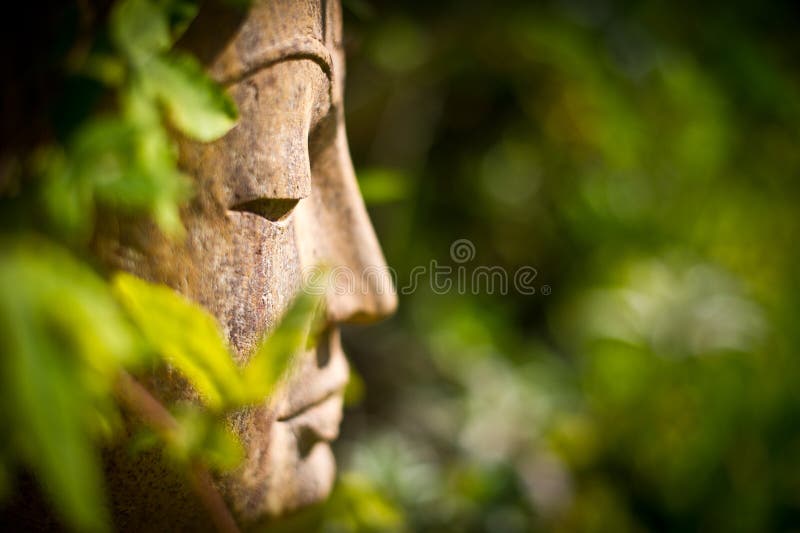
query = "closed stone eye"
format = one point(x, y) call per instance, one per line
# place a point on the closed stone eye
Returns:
point(273, 209)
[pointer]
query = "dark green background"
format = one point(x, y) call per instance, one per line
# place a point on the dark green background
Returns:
point(643, 157)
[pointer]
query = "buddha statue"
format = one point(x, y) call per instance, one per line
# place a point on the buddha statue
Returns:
point(275, 196)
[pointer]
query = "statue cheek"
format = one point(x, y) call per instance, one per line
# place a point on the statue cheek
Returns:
point(250, 280)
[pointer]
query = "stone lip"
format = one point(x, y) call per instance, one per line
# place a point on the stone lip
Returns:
point(320, 374)
point(319, 421)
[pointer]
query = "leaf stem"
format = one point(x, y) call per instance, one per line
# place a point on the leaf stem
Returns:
point(139, 401)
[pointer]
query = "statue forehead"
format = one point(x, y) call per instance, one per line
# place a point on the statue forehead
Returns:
point(234, 44)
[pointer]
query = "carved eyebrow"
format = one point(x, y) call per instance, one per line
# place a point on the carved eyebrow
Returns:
point(297, 48)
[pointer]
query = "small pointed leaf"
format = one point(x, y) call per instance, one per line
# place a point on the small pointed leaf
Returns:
point(277, 351)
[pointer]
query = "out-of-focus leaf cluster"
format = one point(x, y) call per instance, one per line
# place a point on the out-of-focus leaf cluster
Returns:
point(64, 339)
point(125, 160)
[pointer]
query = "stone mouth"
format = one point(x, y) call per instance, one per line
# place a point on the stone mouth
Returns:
point(317, 423)
point(310, 406)
point(320, 376)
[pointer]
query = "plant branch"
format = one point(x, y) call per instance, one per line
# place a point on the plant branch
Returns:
point(139, 401)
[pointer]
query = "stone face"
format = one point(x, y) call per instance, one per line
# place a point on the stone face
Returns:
point(275, 196)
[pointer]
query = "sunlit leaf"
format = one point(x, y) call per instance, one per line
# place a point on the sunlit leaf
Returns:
point(193, 102)
point(221, 449)
point(48, 400)
point(276, 352)
point(185, 334)
point(140, 28)
point(153, 185)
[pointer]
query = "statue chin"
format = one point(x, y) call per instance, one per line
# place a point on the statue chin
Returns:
point(289, 462)
point(301, 474)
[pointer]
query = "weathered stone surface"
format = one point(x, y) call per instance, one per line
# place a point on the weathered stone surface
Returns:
point(276, 195)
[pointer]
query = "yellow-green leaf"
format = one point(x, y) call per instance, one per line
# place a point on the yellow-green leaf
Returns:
point(276, 352)
point(185, 334)
point(140, 29)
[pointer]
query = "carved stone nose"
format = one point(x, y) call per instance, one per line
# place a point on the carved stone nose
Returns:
point(266, 155)
point(335, 220)
point(269, 157)
point(375, 303)
point(362, 288)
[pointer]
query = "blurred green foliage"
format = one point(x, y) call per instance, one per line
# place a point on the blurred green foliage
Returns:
point(643, 157)
point(63, 341)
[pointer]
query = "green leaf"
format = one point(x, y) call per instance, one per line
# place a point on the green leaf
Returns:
point(66, 201)
point(180, 14)
point(382, 185)
point(127, 164)
point(140, 29)
point(186, 335)
point(194, 103)
point(357, 505)
point(355, 390)
point(64, 341)
point(202, 436)
point(67, 297)
point(108, 69)
point(276, 352)
point(45, 393)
